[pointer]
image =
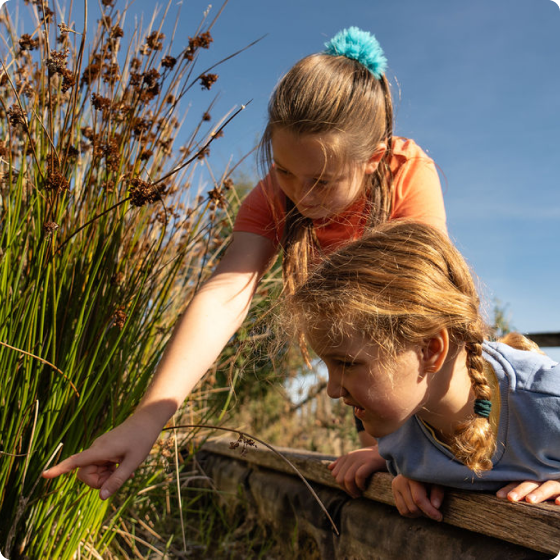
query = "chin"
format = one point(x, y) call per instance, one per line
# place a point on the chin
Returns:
point(313, 213)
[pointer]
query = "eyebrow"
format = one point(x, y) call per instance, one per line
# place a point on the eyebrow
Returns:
point(339, 356)
point(318, 176)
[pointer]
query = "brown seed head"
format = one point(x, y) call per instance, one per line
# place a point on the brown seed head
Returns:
point(203, 153)
point(119, 317)
point(16, 116)
point(56, 62)
point(168, 62)
point(143, 192)
point(92, 71)
point(217, 198)
point(207, 80)
point(154, 41)
point(112, 73)
point(50, 227)
point(200, 41)
point(146, 155)
point(56, 181)
point(27, 43)
point(140, 126)
point(68, 80)
point(99, 102)
point(116, 32)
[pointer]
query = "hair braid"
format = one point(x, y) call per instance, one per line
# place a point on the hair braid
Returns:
point(474, 442)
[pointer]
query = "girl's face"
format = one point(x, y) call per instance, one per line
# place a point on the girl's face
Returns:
point(314, 182)
point(383, 398)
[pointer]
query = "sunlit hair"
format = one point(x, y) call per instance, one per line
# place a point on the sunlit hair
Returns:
point(517, 340)
point(400, 285)
point(340, 100)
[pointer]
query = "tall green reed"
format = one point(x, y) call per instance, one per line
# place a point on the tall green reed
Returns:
point(103, 239)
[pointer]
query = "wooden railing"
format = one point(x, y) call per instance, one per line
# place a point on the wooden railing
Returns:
point(545, 339)
point(475, 525)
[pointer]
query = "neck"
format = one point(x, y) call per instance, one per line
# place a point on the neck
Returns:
point(450, 397)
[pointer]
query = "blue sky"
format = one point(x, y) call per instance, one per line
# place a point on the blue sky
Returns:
point(475, 83)
point(479, 90)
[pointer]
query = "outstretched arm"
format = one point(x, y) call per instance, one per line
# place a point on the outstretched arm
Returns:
point(213, 316)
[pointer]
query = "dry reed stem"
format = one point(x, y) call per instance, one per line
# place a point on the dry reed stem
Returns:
point(44, 362)
point(277, 453)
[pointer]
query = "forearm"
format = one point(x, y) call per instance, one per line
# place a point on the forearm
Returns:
point(199, 336)
point(211, 319)
point(201, 333)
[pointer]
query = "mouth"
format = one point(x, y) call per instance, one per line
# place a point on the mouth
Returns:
point(358, 410)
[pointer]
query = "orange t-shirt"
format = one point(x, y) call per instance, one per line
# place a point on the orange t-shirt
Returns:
point(416, 195)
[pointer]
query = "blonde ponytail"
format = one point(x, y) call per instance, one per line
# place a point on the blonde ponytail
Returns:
point(331, 96)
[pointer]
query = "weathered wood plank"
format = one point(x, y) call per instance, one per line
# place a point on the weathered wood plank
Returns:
point(532, 526)
point(545, 339)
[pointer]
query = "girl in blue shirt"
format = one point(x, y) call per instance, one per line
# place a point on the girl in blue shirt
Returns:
point(395, 317)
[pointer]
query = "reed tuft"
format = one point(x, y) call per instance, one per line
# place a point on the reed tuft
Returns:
point(103, 240)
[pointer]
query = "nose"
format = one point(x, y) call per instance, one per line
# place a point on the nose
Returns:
point(335, 389)
point(307, 191)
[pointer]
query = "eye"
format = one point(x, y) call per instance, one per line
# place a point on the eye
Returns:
point(343, 364)
point(282, 171)
point(321, 182)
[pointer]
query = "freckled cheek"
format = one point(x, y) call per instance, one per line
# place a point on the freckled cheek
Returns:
point(383, 410)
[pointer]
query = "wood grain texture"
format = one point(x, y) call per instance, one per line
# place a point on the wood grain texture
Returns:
point(532, 526)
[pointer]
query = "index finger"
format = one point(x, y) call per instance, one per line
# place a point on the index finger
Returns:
point(78, 460)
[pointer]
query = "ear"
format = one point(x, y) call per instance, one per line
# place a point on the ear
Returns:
point(434, 351)
point(374, 160)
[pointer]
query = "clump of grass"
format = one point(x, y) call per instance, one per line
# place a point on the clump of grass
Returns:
point(103, 239)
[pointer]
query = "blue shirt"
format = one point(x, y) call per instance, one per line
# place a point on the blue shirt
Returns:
point(528, 439)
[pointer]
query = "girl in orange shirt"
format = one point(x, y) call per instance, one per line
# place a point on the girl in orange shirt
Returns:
point(335, 170)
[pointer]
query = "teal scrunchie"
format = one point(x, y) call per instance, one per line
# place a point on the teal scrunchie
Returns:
point(361, 46)
point(482, 407)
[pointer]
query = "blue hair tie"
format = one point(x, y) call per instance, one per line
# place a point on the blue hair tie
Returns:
point(482, 407)
point(361, 46)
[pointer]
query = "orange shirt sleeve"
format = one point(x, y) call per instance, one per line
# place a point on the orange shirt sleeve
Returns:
point(261, 212)
point(417, 190)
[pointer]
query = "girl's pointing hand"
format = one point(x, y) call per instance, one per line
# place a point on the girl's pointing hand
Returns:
point(112, 458)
